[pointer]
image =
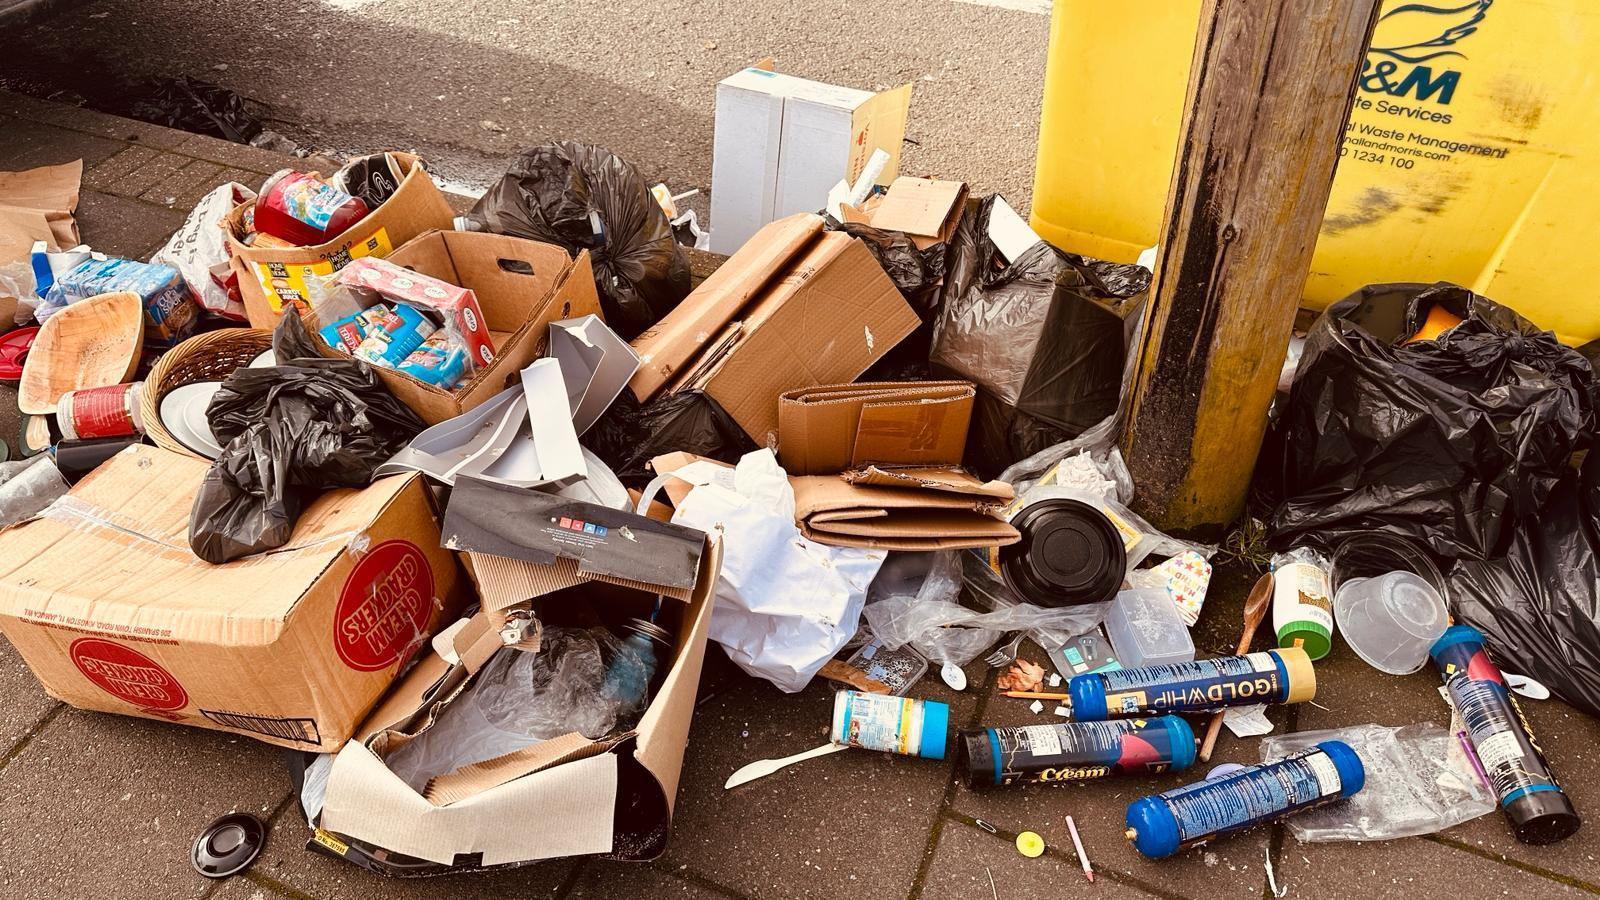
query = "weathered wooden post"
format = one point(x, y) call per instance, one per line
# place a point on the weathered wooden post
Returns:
point(1269, 95)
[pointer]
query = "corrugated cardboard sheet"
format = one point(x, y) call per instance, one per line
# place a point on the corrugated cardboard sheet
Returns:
point(828, 429)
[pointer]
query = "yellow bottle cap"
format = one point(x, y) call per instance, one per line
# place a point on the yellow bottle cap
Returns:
point(1030, 845)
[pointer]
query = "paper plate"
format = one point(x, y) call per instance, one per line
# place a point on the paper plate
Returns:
point(266, 360)
point(199, 425)
point(92, 343)
point(176, 413)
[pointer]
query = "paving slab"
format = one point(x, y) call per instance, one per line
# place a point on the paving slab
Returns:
point(118, 226)
point(1414, 867)
point(609, 880)
point(1355, 694)
point(802, 831)
point(287, 868)
point(24, 145)
point(25, 704)
point(966, 857)
point(103, 805)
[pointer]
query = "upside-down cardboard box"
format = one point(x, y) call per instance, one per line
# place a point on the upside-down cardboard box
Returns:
point(112, 611)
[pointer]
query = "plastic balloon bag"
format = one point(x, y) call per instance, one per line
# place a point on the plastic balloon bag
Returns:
point(583, 197)
point(1446, 441)
point(288, 432)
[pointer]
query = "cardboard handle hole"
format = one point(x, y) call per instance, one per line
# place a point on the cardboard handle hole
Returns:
point(516, 266)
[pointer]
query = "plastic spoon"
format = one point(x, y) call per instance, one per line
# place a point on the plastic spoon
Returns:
point(763, 768)
point(1255, 609)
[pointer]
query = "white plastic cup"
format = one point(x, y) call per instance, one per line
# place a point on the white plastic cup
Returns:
point(1390, 620)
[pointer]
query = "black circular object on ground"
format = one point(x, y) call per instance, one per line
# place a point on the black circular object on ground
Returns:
point(1070, 554)
point(228, 845)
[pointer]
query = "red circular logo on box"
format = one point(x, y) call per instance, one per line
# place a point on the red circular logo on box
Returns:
point(127, 674)
point(383, 609)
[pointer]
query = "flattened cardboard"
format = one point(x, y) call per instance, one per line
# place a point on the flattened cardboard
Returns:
point(272, 278)
point(924, 208)
point(541, 528)
point(914, 509)
point(515, 810)
point(827, 429)
point(112, 611)
point(522, 287)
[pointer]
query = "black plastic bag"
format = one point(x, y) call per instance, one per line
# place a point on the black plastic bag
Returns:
point(560, 193)
point(1044, 338)
point(1446, 441)
point(189, 104)
point(289, 432)
point(1540, 604)
point(628, 436)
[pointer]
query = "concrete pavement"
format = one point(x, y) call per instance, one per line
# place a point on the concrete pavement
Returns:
point(100, 805)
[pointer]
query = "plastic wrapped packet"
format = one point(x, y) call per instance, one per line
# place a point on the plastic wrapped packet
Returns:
point(392, 317)
point(1419, 781)
point(518, 699)
point(27, 486)
point(170, 310)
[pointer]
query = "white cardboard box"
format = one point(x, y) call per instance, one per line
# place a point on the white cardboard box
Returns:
point(781, 142)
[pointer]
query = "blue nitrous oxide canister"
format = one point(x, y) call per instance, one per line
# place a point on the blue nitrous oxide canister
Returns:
point(1202, 685)
point(1162, 824)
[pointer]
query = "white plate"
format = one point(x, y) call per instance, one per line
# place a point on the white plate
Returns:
point(264, 361)
point(195, 416)
point(175, 408)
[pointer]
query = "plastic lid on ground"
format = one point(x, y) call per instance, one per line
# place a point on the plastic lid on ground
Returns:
point(228, 845)
point(1390, 620)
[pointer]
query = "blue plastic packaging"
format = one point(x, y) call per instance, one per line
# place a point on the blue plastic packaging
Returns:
point(1162, 824)
point(1276, 676)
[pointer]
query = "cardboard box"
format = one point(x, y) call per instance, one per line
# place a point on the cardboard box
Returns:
point(796, 307)
point(112, 611)
point(568, 796)
point(924, 208)
point(522, 287)
point(782, 142)
point(903, 509)
point(824, 430)
point(452, 303)
point(271, 277)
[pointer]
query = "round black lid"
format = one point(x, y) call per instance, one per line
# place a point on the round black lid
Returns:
point(229, 845)
point(1070, 554)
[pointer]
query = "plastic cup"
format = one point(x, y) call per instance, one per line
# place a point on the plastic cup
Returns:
point(1390, 620)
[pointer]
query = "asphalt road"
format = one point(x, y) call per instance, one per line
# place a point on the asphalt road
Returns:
point(469, 82)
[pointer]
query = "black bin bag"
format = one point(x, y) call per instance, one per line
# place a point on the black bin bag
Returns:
point(289, 432)
point(918, 274)
point(1539, 605)
point(630, 435)
point(584, 197)
point(1449, 442)
point(1044, 339)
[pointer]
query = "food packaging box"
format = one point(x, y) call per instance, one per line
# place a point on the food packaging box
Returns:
point(827, 429)
point(271, 277)
point(109, 607)
point(796, 307)
point(521, 288)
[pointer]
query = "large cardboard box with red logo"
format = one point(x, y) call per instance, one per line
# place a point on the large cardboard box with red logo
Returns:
point(112, 611)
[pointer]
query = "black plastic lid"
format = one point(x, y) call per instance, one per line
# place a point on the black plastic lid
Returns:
point(1542, 817)
point(229, 845)
point(1070, 554)
point(975, 758)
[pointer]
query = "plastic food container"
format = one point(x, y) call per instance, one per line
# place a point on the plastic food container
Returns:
point(1146, 629)
point(1391, 620)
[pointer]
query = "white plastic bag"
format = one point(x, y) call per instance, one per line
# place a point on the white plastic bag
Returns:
point(784, 604)
point(197, 249)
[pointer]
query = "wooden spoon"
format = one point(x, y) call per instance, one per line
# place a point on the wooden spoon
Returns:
point(1255, 609)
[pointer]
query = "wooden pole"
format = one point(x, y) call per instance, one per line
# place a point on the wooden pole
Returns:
point(1270, 92)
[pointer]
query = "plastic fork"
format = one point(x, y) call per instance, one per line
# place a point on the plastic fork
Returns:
point(1007, 654)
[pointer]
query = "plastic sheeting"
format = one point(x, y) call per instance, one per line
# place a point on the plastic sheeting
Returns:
point(1446, 441)
point(584, 197)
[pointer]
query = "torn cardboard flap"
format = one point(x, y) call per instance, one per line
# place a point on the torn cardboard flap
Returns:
point(924, 208)
point(543, 528)
point(827, 429)
point(912, 509)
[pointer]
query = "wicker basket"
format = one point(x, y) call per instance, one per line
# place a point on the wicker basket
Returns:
point(205, 357)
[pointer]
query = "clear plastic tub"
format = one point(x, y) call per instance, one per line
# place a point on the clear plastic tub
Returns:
point(1146, 629)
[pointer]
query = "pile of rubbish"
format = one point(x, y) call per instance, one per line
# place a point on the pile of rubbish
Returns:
point(480, 491)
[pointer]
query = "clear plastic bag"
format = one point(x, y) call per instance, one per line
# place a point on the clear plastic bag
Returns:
point(1419, 781)
point(17, 281)
point(518, 699)
point(359, 313)
point(28, 486)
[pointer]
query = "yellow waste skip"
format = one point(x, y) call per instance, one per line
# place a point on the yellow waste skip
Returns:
point(1472, 154)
